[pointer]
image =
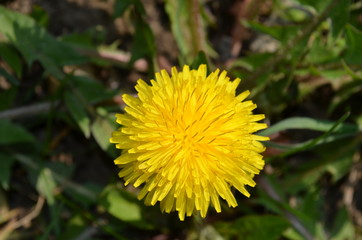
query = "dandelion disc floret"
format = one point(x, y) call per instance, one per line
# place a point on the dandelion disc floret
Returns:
point(187, 139)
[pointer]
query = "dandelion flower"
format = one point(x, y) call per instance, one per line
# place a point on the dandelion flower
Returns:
point(188, 139)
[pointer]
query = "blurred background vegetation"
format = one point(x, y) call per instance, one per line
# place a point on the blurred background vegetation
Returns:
point(64, 64)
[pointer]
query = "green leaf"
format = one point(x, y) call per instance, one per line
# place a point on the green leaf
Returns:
point(46, 184)
point(341, 166)
point(330, 158)
point(12, 133)
point(178, 13)
point(354, 74)
point(78, 112)
point(297, 14)
point(189, 35)
point(120, 6)
point(333, 74)
point(60, 168)
point(339, 16)
point(311, 203)
point(85, 194)
point(89, 39)
point(91, 90)
point(308, 123)
point(323, 52)
point(344, 93)
point(53, 225)
point(36, 44)
point(265, 199)
point(7, 98)
point(102, 129)
point(342, 226)
point(301, 220)
point(280, 92)
point(74, 227)
point(340, 131)
point(8, 53)
point(252, 61)
point(120, 204)
point(266, 227)
point(9, 77)
point(279, 32)
point(317, 5)
point(40, 15)
point(292, 234)
point(200, 59)
point(353, 54)
point(6, 162)
point(143, 42)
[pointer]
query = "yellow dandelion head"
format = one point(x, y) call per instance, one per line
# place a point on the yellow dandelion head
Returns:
point(188, 138)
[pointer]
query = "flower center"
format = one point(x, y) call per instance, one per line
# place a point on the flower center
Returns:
point(189, 138)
